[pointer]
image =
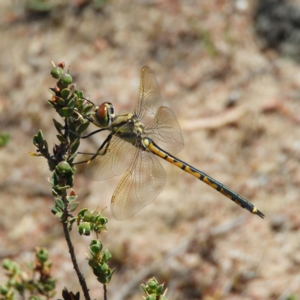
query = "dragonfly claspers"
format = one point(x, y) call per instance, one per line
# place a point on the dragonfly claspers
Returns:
point(133, 145)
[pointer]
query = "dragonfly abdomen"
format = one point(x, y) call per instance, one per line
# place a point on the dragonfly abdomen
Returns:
point(149, 144)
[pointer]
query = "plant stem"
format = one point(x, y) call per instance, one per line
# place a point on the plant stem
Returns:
point(81, 278)
point(105, 291)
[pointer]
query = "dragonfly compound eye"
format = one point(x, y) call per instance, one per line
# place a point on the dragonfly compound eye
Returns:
point(105, 114)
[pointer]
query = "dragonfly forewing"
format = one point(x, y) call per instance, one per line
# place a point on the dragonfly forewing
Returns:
point(139, 186)
point(148, 98)
point(114, 159)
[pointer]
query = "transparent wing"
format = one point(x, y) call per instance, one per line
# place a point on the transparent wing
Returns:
point(165, 130)
point(148, 98)
point(112, 161)
point(139, 186)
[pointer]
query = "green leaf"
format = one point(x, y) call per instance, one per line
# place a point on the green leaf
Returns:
point(71, 222)
point(87, 108)
point(73, 206)
point(79, 104)
point(71, 198)
point(35, 140)
point(59, 214)
point(65, 93)
point(83, 126)
point(58, 126)
point(54, 210)
point(63, 188)
point(53, 104)
point(46, 146)
point(71, 103)
point(54, 193)
point(74, 146)
point(40, 138)
point(62, 139)
point(67, 112)
point(59, 203)
point(60, 101)
point(80, 94)
point(71, 158)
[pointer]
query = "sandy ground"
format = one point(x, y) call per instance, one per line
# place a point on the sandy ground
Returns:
point(238, 107)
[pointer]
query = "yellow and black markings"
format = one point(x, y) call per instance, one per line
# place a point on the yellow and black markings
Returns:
point(149, 144)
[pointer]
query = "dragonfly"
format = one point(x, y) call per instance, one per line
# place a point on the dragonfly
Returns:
point(133, 146)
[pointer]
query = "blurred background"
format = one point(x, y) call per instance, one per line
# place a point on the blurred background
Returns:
point(230, 72)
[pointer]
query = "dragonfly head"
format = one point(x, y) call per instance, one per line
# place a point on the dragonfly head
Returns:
point(104, 114)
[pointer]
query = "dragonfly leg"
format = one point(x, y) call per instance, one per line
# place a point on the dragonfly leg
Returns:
point(106, 143)
point(90, 134)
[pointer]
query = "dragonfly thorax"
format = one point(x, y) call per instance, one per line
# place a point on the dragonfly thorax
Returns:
point(129, 128)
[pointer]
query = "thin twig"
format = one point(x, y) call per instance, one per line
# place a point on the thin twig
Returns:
point(81, 278)
point(105, 291)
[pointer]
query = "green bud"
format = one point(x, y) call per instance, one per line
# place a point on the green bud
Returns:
point(96, 243)
point(101, 278)
point(88, 216)
point(106, 255)
point(64, 168)
point(82, 212)
point(152, 284)
point(66, 79)
point(103, 220)
point(56, 72)
point(95, 249)
point(92, 263)
point(84, 228)
point(4, 290)
point(160, 289)
point(110, 274)
point(50, 284)
point(7, 264)
point(42, 255)
point(104, 267)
